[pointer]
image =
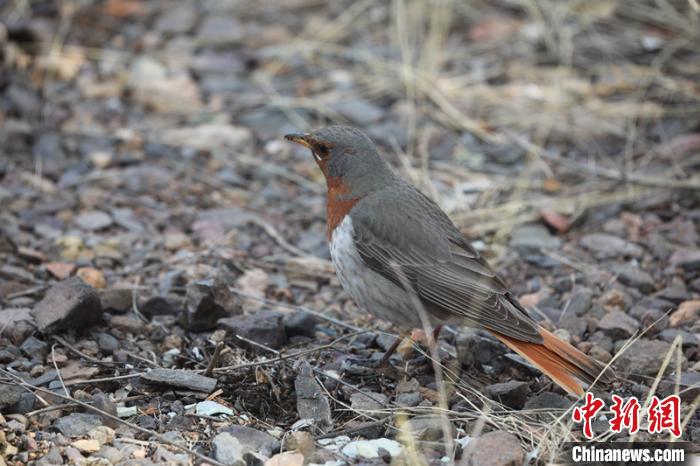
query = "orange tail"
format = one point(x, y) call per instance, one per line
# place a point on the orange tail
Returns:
point(559, 360)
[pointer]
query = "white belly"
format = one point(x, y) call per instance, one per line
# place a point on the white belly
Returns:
point(371, 292)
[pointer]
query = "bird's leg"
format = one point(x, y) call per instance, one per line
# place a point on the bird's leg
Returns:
point(392, 348)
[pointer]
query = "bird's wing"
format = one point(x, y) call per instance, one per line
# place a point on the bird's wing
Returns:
point(413, 242)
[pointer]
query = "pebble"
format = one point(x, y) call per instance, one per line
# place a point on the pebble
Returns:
point(532, 238)
point(369, 449)
point(208, 302)
point(228, 450)
point(496, 448)
point(618, 325)
point(17, 324)
point(68, 304)
point(643, 357)
point(118, 300)
point(180, 379)
point(93, 220)
point(210, 136)
point(512, 394)
point(264, 327)
point(311, 398)
point(687, 313)
point(77, 424)
point(606, 246)
point(256, 440)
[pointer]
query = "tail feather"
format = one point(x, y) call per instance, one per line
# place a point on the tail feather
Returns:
point(559, 360)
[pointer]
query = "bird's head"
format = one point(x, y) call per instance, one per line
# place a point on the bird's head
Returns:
point(347, 155)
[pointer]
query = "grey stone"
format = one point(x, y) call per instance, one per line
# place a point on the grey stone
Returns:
point(311, 399)
point(643, 357)
point(93, 220)
point(116, 300)
point(687, 259)
point(256, 440)
point(688, 340)
point(496, 448)
point(208, 301)
point(229, 450)
point(68, 304)
point(17, 324)
point(547, 401)
point(580, 301)
point(473, 348)
point(634, 277)
point(688, 389)
point(52, 457)
point(217, 30)
point(512, 393)
point(176, 19)
point(605, 246)
point(359, 111)
point(158, 306)
point(77, 424)
point(533, 237)
point(368, 401)
point(107, 342)
point(618, 325)
point(300, 323)
point(428, 428)
point(10, 395)
point(180, 379)
point(264, 327)
point(34, 348)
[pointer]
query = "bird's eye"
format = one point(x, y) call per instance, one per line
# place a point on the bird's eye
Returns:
point(322, 149)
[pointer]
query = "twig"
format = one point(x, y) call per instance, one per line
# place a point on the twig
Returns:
point(214, 359)
point(279, 239)
point(58, 371)
point(107, 415)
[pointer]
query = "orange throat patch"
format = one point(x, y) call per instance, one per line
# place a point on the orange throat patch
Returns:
point(338, 204)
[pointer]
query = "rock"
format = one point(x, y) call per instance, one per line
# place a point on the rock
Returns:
point(220, 31)
point(158, 306)
point(210, 136)
point(300, 323)
point(643, 357)
point(93, 220)
point(208, 301)
point(212, 408)
point(17, 324)
point(68, 304)
point(496, 448)
point(598, 353)
point(60, 270)
point(473, 348)
point(87, 445)
point(369, 449)
point(116, 300)
point(532, 238)
point(130, 323)
point(689, 387)
point(606, 246)
point(10, 395)
point(92, 277)
point(176, 19)
point(618, 325)
point(77, 424)
point(687, 259)
point(512, 394)
point(359, 111)
point(264, 327)
point(107, 343)
point(547, 401)
point(632, 276)
point(288, 458)
point(256, 440)
point(180, 379)
point(687, 313)
point(580, 301)
point(428, 428)
point(368, 402)
point(311, 399)
point(688, 340)
point(34, 348)
point(52, 457)
point(228, 450)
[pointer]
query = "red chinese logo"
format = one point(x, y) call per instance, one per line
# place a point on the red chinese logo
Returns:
point(586, 412)
point(665, 415)
point(662, 414)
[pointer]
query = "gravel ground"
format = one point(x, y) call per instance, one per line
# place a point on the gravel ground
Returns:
point(166, 295)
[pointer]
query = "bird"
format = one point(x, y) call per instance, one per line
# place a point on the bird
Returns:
point(395, 251)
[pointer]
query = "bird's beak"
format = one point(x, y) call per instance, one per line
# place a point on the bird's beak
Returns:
point(299, 138)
